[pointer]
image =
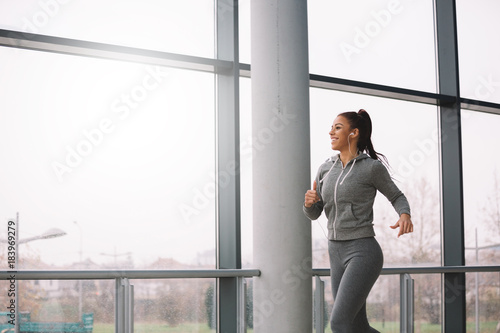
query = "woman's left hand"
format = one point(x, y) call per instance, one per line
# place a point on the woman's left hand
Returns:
point(404, 224)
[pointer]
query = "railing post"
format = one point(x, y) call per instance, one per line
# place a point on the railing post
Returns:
point(242, 301)
point(407, 303)
point(319, 305)
point(124, 306)
point(130, 306)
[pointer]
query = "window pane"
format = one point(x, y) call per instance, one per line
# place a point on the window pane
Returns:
point(479, 49)
point(481, 187)
point(384, 42)
point(179, 305)
point(174, 26)
point(412, 152)
point(482, 315)
point(427, 302)
point(119, 156)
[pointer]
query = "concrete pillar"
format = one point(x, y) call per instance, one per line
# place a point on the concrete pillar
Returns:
point(281, 166)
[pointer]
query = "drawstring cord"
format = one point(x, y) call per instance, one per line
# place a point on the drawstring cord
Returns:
point(352, 166)
point(321, 180)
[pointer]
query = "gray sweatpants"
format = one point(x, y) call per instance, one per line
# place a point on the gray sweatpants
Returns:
point(355, 266)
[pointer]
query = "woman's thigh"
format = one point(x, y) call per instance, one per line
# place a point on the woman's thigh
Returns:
point(355, 267)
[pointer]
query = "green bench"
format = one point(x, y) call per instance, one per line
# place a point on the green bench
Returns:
point(27, 326)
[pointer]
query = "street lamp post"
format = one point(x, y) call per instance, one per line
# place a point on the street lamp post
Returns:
point(51, 233)
point(80, 290)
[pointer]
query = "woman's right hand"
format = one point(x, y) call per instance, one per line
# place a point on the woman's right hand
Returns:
point(311, 196)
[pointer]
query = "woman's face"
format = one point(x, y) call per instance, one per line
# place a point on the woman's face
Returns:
point(339, 134)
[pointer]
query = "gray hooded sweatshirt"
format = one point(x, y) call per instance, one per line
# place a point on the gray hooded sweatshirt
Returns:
point(347, 195)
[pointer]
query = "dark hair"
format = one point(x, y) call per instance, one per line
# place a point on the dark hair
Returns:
point(362, 121)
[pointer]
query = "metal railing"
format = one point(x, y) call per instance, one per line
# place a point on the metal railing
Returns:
point(407, 303)
point(129, 274)
point(124, 291)
point(406, 290)
point(124, 306)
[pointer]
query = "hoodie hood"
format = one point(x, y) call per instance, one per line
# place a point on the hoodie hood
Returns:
point(359, 157)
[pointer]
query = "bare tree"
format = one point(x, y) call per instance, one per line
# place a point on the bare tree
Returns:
point(489, 283)
point(421, 247)
point(491, 210)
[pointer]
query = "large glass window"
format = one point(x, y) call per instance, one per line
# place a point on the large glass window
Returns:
point(384, 42)
point(173, 26)
point(481, 169)
point(111, 165)
point(479, 49)
point(406, 133)
point(119, 156)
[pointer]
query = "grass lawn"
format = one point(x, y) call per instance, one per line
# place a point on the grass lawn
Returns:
point(156, 328)
point(485, 327)
point(159, 328)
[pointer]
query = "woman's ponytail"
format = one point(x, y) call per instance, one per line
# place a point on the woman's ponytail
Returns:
point(362, 121)
point(365, 134)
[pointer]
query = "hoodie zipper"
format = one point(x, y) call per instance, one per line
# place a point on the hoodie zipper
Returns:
point(335, 195)
point(336, 207)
